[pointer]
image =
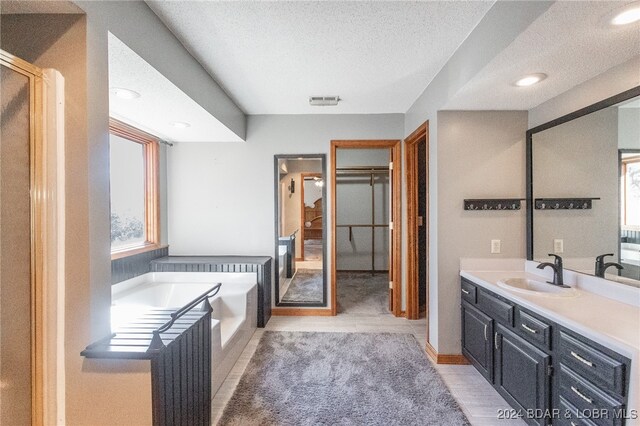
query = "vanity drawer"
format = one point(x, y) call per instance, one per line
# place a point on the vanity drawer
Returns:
point(468, 291)
point(590, 402)
point(533, 329)
point(570, 416)
point(498, 309)
point(598, 367)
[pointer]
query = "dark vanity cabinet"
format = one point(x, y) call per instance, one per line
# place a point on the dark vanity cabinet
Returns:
point(477, 341)
point(548, 374)
point(522, 373)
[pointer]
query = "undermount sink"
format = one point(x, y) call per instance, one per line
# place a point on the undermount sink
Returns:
point(539, 288)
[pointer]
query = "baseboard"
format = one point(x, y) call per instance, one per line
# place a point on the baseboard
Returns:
point(445, 359)
point(300, 312)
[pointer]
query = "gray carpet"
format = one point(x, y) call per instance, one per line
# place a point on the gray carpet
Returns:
point(306, 286)
point(361, 293)
point(297, 378)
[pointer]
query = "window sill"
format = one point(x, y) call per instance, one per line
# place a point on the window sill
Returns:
point(136, 250)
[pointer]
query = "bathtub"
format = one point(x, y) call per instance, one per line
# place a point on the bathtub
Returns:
point(234, 308)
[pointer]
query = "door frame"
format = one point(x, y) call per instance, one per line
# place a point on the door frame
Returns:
point(411, 178)
point(396, 241)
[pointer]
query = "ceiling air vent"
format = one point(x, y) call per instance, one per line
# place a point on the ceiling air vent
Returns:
point(324, 100)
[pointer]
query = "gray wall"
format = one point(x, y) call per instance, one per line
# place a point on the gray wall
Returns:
point(221, 195)
point(497, 29)
point(629, 128)
point(616, 80)
point(578, 159)
point(481, 154)
point(128, 20)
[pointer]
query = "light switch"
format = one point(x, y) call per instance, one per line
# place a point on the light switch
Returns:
point(495, 246)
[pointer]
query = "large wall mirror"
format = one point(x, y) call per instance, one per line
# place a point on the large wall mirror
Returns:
point(301, 230)
point(583, 188)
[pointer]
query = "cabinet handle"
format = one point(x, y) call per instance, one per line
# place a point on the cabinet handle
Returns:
point(495, 340)
point(582, 360)
point(465, 291)
point(529, 329)
point(485, 332)
point(581, 395)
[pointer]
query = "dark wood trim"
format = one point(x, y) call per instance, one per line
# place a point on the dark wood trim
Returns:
point(620, 97)
point(150, 146)
point(300, 312)
point(445, 359)
point(395, 251)
point(411, 179)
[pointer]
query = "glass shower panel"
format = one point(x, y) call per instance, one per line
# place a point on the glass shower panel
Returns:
point(15, 249)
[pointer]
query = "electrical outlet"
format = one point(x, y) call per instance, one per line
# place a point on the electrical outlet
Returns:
point(558, 246)
point(495, 246)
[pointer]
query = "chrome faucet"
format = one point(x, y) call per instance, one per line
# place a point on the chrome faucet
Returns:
point(601, 267)
point(557, 270)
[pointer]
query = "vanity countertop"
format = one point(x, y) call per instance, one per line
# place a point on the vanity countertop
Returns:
point(609, 322)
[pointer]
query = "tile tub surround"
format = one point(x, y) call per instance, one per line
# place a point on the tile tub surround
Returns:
point(261, 265)
point(604, 311)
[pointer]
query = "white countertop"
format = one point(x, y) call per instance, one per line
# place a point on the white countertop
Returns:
point(612, 323)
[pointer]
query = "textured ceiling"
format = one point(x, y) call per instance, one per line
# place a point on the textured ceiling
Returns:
point(271, 56)
point(160, 103)
point(571, 43)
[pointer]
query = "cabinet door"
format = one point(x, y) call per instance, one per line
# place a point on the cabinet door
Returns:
point(477, 340)
point(522, 375)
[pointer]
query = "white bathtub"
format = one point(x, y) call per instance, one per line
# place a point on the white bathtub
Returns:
point(234, 308)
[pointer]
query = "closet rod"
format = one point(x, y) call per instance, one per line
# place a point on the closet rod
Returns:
point(363, 168)
point(362, 172)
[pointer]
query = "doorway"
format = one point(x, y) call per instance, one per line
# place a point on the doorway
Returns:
point(417, 180)
point(365, 200)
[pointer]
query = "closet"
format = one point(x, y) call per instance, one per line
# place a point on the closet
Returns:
point(363, 210)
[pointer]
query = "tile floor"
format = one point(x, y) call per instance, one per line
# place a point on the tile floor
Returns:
point(479, 401)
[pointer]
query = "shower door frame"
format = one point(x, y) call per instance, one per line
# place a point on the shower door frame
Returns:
point(38, 237)
point(393, 145)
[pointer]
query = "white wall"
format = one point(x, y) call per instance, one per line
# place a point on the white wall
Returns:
point(221, 195)
point(481, 154)
point(578, 159)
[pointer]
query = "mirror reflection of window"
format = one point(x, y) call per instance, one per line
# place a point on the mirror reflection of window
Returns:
point(630, 183)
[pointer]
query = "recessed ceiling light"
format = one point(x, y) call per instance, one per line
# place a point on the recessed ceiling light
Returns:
point(628, 15)
point(180, 124)
point(530, 79)
point(125, 93)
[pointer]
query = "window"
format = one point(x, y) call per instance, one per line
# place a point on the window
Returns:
point(134, 190)
point(630, 190)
